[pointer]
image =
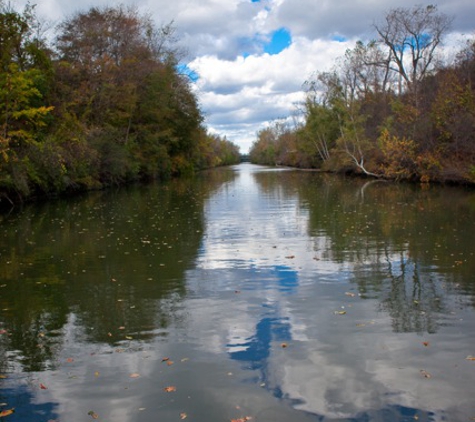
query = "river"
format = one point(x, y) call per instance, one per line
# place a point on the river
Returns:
point(244, 293)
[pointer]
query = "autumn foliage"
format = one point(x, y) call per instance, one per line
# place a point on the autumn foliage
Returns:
point(390, 108)
point(104, 103)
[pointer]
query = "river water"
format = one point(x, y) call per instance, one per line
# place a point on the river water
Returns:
point(245, 293)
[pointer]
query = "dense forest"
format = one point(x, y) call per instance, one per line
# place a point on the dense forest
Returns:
point(391, 108)
point(102, 102)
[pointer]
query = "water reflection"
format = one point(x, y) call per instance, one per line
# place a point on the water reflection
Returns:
point(24, 402)
point(269, 293)
point(342, 246)
point(115, 260)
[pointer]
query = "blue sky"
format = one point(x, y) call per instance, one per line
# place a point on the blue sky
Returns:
point(280, 40)
point(249, 58)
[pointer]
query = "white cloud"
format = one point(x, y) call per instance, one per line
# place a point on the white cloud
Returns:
point(241, 95)
point(250, 92)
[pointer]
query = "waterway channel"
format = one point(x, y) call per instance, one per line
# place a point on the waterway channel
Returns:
point(244, 293)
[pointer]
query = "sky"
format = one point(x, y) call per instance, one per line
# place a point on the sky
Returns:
point(250, 58)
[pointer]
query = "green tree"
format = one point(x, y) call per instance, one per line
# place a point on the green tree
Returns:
point(24, 74)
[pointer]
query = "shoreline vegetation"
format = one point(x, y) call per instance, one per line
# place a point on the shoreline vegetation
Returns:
point(103, 102)
point(390, 109)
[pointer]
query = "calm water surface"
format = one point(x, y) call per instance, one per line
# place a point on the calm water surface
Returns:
point(247, 292)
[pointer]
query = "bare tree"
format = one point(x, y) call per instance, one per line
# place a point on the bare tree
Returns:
point(365, 69)
point(412, 37)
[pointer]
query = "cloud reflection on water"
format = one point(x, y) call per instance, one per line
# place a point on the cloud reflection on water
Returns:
point(275, 257)
point(332, 369)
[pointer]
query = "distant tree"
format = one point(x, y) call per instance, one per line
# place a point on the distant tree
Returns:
point(263, 149)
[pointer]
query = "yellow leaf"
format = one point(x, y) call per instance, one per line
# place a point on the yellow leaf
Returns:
point(8, 412)
point(93, 414)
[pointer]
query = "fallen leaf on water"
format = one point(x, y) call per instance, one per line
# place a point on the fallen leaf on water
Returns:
point(183, 415)
point(340, 312)
point(350, 294)
point(185, 359)
point(129, 338)
point(165, 359)
point(170, 362)
point(43, 387)
point(425, 374)
point(7, 412)
point(284, 345)
point(244, 419)
point(69, 360)
point(93, 414)
point(470, 358)
point(96, 374)
point(425, 343)
point(169, 389)
point(134, 375)
point(2, 377)
point(290, 257)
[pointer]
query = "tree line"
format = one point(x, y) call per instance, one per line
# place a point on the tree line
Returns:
point(101, 102)
point(390, 108)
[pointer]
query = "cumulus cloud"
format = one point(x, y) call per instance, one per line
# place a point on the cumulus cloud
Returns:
point(260, 88)
point(241, 87)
